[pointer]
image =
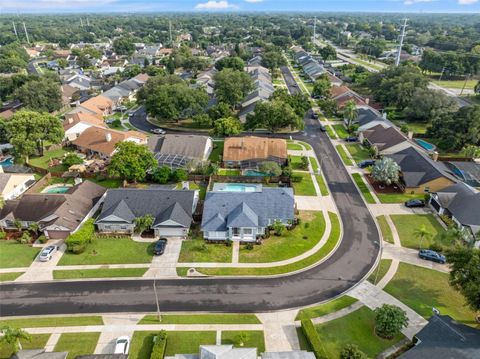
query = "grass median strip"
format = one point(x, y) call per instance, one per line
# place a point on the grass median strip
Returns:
point(357, 177)
point(385, 228)
point(332, 241)
point(346, 160)
point(44, 322)
point(5, 277)
point(201, 319)
point(99, 273)
point(326, 308)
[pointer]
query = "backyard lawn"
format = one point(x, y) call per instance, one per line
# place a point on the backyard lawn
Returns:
point(291, 244)
point(355, 328)
point(253, 339)
point(43, 161)
point(107, 182)
point(228, 172)
point(305, 186)
point(38, 342)
point(77, 344)
point(43, 322)
point(99, 273)
point(422, 288)
point(197, 250)
point(201, 319)
point(385, 228)
point(14, 254)
point(217, 151)
point(408, 224)
point(346, 160)
point(326, 308)
point(357, 177)
point(111, 251)
point(340, 130)
point(358, 152)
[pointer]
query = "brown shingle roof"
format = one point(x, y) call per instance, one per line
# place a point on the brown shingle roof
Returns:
point(68, 90)
point(98, 104)
point(336, 91)
point(82, 117)
point(246, 148)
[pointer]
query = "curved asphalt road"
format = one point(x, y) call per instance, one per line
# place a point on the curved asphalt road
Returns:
point(348, 265)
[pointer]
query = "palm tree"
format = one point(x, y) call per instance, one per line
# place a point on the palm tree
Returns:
point(12, 336)
point(422, 233)
point(33, 227)
point(350, 113)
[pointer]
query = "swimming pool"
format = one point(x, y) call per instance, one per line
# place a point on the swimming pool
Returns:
point(58, 189)
point(426, 145)
point(236, 187)
point(7, 162)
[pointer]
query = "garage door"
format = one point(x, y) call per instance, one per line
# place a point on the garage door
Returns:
point(171, 232)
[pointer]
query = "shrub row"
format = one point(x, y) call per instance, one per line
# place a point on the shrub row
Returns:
point(77, 242)
point(159, 345)
point(313, 338)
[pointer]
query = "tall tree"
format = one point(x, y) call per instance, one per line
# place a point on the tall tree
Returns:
point(131, 161)
point(231, 62)
point(231, 86)
point(228, 126)
point(427, 105)
point(124, 46)
point(350, 113)
point(42, 94)
point(274, 115)
point(390, 320)
point(321, 87)
point(28, 130)
point(12, 336)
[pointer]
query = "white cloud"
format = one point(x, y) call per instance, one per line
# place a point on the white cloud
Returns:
point(52, 4)
point(215, 5)
point(253, 1)
point(467, 2)
point(412, 2)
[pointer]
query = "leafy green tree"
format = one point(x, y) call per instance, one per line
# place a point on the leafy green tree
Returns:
point(143, 223)
point(471, 151)
point(271, 168)
point(72, 159)
point(13, 58)
point(300, 102)
point(426, 105)
point(272, 60)
point(278, 227)
point(328, 53)
point(321, 87)
point(274, 115)
point(351, 351)
point(228, 126)
point(422, 233)
point(28, 130)
point(329, 107)
point(124, 46)
point(231, 86)
point(12, 336)
point(202, 120)
point(221, 110)
point(464, 273)
point(390, 320)
point(179, 175)
point(161, 174)
point(231, 62)
point(386, 171)
point(350, 113)
point(131, 161)
point(42, 94)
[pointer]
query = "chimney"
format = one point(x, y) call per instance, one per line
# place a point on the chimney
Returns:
point(435, 156)
point(108, 137)
point(410, 135)
point(367, 100)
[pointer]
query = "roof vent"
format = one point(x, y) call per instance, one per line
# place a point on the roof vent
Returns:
point(108, 137)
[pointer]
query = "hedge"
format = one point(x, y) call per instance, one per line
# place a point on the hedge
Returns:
point(313, 338)
point(159, 345)
point(77, 242)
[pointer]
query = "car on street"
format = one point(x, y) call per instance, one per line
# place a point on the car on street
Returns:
point(314, 116)
point(160, 246)
point(122, 345)
point(158, 131)
point(415, 203)
point(366, 163)
point(351, 139)
point(322, 128)
point(47, 253)
point(430, 255)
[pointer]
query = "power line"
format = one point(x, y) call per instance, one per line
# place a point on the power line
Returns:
point(402, 36)
point(15, 30)
point(26, 33)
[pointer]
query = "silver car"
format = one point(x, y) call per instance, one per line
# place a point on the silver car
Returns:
point(47, 253)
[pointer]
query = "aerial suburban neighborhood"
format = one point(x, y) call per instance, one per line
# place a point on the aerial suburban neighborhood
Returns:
point(241, 179)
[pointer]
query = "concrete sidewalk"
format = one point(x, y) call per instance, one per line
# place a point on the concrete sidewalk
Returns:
point(379, 209)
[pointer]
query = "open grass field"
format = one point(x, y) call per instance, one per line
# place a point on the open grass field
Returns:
point(326, 308)
point(196, 250)
point(407, 224)
point(456, 84)
point(14, 254)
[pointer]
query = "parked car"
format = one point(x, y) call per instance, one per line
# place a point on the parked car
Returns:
point(322, 128)
point(122, 345)
point(433, 256)
point(415, 203)
point(109, 121)
point(160, 246)
point(314, 116)
point(47, 253)
point(366, 163)
point(351, 139)
point(157, 131)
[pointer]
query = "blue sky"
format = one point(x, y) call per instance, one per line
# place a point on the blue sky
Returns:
point(238, 5)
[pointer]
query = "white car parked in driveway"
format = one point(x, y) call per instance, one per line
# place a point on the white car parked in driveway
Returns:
point(122, 345)
point(47, 253)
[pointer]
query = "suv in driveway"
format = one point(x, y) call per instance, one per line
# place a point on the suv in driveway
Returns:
point(366, 163)
point(47, 253)
point(415, 203)
point(430, 255)
point(159, 248)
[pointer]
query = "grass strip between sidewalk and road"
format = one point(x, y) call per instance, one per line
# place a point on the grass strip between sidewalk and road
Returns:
point(382, 269)
point(331, 132)
point(343, 155)
point(341, 131)
point(326, 308)
point(5, 277)
point(385, 228)
point(322, 184)
point(44, 322)
point(99, 273)
point(201, 319)
point(326, 249)
point(357, 177)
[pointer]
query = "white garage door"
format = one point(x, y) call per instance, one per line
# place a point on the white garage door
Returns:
point(171, 232)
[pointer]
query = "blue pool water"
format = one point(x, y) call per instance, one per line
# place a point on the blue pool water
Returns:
point(57, 190)
point(427, 145)
point(235, 187)
point(7, 162)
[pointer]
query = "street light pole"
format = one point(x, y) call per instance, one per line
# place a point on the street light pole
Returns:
point(156, 299)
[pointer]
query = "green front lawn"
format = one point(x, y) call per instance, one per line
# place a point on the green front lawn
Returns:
point(408, 224)
point(380, 271)
point(385, 228)
point(99, 273)
point(326, 308)
point(355, 328)
point(38, 342)
point(77, 344)
point(397, 197)
point(43, 322)
point(341, 131)
point(5, 277)
point(111, 251)
point(253, 339)
point(305, 186)
point(197, 250)
point(14, 254)
point(228, 172)
point(294, 147)
point(44, 160)
point(201, 319)
point(358, 152)
point(291, 244)
point(322, 185)
point(421, 289)
point(357, 177)
point(296, 163)
point(343, 155)
point(217, 151)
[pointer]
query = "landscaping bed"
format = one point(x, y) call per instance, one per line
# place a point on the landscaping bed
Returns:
point(391, 193)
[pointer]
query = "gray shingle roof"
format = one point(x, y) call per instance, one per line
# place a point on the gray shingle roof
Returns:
point(297, 354)
point(384, 138)
point(190, 146)
point(224, 208)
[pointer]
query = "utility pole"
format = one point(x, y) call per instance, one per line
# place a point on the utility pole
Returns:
point(467, 77)
point(170, 31)
point(26, 33)
point(15, 29)
point(441, 74)
point(156, 300)
point(404, 26)
point(314, 29)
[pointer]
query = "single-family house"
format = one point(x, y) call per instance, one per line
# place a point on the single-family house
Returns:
point(369, 117)
point(419, 173)
point(57, 214)
point(101, 141)
point(466, 171)
point(252, 151)
point(12, 185)
point(75, 124)
point(171, 209)
point(342, 94)
point(68, 93)
point(444, 338)
point(461, 203)
point(38, 354)
point(230, 214)
point(98, 106)
point(179, 151)
point(125, 90)
point(79, 81)
point(385, 140)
